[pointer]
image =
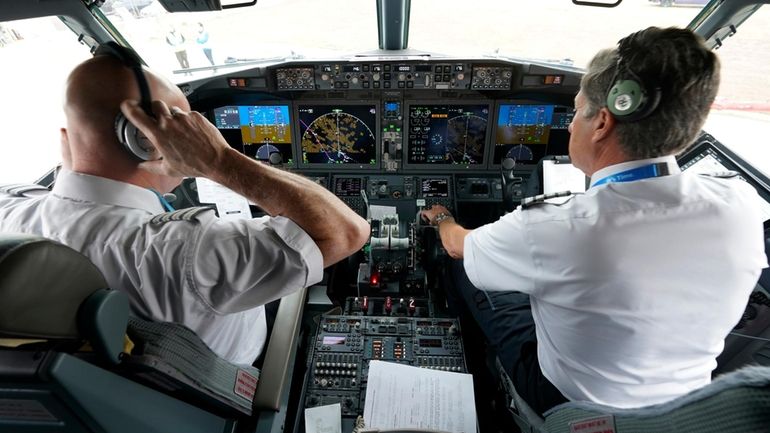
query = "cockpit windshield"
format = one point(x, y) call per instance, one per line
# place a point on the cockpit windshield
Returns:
point(191, 46)
point(553, 31)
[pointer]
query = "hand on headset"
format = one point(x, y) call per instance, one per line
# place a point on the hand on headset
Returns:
point(186, 143)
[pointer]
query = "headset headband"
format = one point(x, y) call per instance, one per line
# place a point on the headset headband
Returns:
point(131, 60)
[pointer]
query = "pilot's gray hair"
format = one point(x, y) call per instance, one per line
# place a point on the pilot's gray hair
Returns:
point(685, 70)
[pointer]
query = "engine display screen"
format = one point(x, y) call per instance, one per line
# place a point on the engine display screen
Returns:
point(256, 130)
point(447, 134)
point(347, 186)
point(528, 132)
point(339, 134)
point(435, 188)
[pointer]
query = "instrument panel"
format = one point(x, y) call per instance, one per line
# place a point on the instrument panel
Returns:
point(407, 132)
point(395, 114)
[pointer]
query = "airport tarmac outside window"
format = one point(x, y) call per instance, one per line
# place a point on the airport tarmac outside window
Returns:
point(187, 46)
point(37, 55)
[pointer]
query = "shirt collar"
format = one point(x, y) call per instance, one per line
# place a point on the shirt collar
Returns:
point(85, 187)
point(670, 160)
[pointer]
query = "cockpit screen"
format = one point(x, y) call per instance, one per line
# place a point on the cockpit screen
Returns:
point(347, 186)
point(447, 134)
point(338, 134)
point(256, 130)
point(435, 188)
point(528, 132)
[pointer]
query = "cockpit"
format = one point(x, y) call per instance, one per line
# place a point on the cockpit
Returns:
point(341, 94)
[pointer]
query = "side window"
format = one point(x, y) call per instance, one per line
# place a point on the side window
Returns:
point(740, 117)
point(37, 55)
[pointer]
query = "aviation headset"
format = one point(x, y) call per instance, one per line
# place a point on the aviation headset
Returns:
point(132, 139)
point(630, 99)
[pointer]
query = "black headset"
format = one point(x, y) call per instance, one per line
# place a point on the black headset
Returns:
point(630, 99)
point(132, 139)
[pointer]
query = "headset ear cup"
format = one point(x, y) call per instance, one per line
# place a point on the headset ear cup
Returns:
point(625, 98)
point(132, 139)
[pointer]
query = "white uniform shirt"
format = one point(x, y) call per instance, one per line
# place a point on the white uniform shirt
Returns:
point(633, 285)
point(209, 274)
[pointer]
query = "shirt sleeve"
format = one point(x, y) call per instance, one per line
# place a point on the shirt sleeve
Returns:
point(237, 265)
point(498, 256)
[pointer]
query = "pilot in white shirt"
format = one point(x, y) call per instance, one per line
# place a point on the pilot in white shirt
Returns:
point(187, 266)
point(634, 285)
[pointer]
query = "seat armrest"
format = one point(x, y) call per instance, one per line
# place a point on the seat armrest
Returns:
point(275, 373)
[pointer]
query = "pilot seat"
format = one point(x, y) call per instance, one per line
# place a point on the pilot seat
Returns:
point(735, 402)
point(73, 360)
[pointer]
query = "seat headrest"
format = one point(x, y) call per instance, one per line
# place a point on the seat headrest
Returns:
point(42, 284)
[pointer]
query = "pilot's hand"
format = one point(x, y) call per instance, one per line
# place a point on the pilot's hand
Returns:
point(187, 143)
point(428, 215)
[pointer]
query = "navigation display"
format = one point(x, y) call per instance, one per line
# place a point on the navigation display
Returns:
point(338, 134)
point(447, 134)
point(528, 132)
point(257, 130)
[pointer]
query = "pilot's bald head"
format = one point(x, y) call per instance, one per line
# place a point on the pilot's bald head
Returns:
point(94, 91)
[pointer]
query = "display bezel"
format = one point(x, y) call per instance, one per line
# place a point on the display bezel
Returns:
point(211, 117)
point(493, 138)
point(445, 167)
point(339, 103)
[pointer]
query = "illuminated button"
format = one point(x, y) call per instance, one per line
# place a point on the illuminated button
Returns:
point(410, 84)
point(401, 84)
point(447, 69)
point(437, 69)
point(437, 78)
point(376, 84)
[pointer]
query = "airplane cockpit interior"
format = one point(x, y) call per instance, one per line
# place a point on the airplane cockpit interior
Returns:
point(392, 106)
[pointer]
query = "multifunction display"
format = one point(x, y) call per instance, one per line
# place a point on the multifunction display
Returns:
point(256, 130)
point(528, 132)
point(435, 187)
point(447, 134)
point(347, 186)
point(338, 134)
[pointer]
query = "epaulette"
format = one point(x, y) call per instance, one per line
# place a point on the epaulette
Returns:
point(21, 189)
point(541, 198)
point(187, 214)
point(722, 174)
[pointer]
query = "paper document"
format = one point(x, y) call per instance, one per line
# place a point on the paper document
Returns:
point(230, 205)
point(562, 177)
point(402, 396)
point(324, 419)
